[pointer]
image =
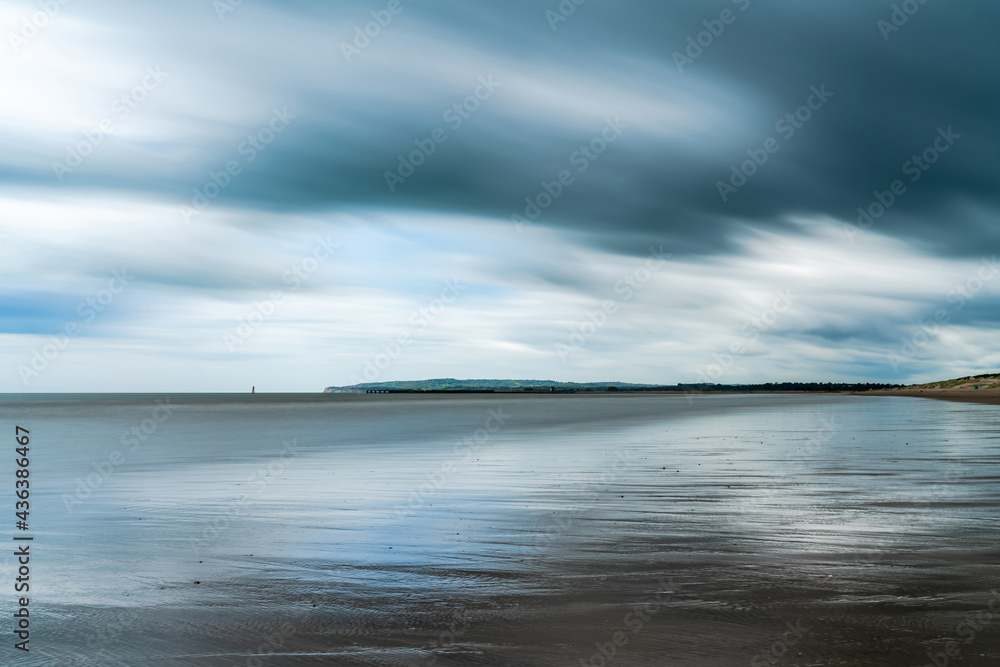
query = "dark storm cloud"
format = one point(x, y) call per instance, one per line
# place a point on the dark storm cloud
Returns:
point(893, 94)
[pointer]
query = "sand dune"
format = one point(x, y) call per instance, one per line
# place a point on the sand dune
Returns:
point(971, 389)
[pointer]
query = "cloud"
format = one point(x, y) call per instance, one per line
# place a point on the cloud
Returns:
point(904, 131)
point(329, 295)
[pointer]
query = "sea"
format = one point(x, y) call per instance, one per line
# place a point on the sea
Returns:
point(499, 529)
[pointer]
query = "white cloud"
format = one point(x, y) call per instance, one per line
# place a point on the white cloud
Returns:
point(196, 283)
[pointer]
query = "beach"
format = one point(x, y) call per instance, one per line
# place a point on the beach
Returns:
point(986, 396)
point(511, 530)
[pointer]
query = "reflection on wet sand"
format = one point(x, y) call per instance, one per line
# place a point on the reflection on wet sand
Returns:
point(576, 530)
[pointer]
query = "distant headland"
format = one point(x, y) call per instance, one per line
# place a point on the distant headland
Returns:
point(542, 386)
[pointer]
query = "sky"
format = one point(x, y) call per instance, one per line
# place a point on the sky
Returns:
point(213, 195)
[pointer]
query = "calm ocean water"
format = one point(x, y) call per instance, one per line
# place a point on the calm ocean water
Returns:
point(503, 529)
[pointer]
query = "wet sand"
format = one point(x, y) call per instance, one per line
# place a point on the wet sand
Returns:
point(985, 396)
point(584, 530)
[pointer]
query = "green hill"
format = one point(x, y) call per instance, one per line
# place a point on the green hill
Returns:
point(451, 384)
point(968, 383)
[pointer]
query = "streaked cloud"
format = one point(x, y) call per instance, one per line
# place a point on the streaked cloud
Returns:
point(164, 98)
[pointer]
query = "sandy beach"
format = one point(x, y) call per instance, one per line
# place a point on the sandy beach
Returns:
point(758, 530)
point(989, 397)
point(965, 392)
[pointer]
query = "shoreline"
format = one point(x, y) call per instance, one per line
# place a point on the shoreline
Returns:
point(982, 396)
